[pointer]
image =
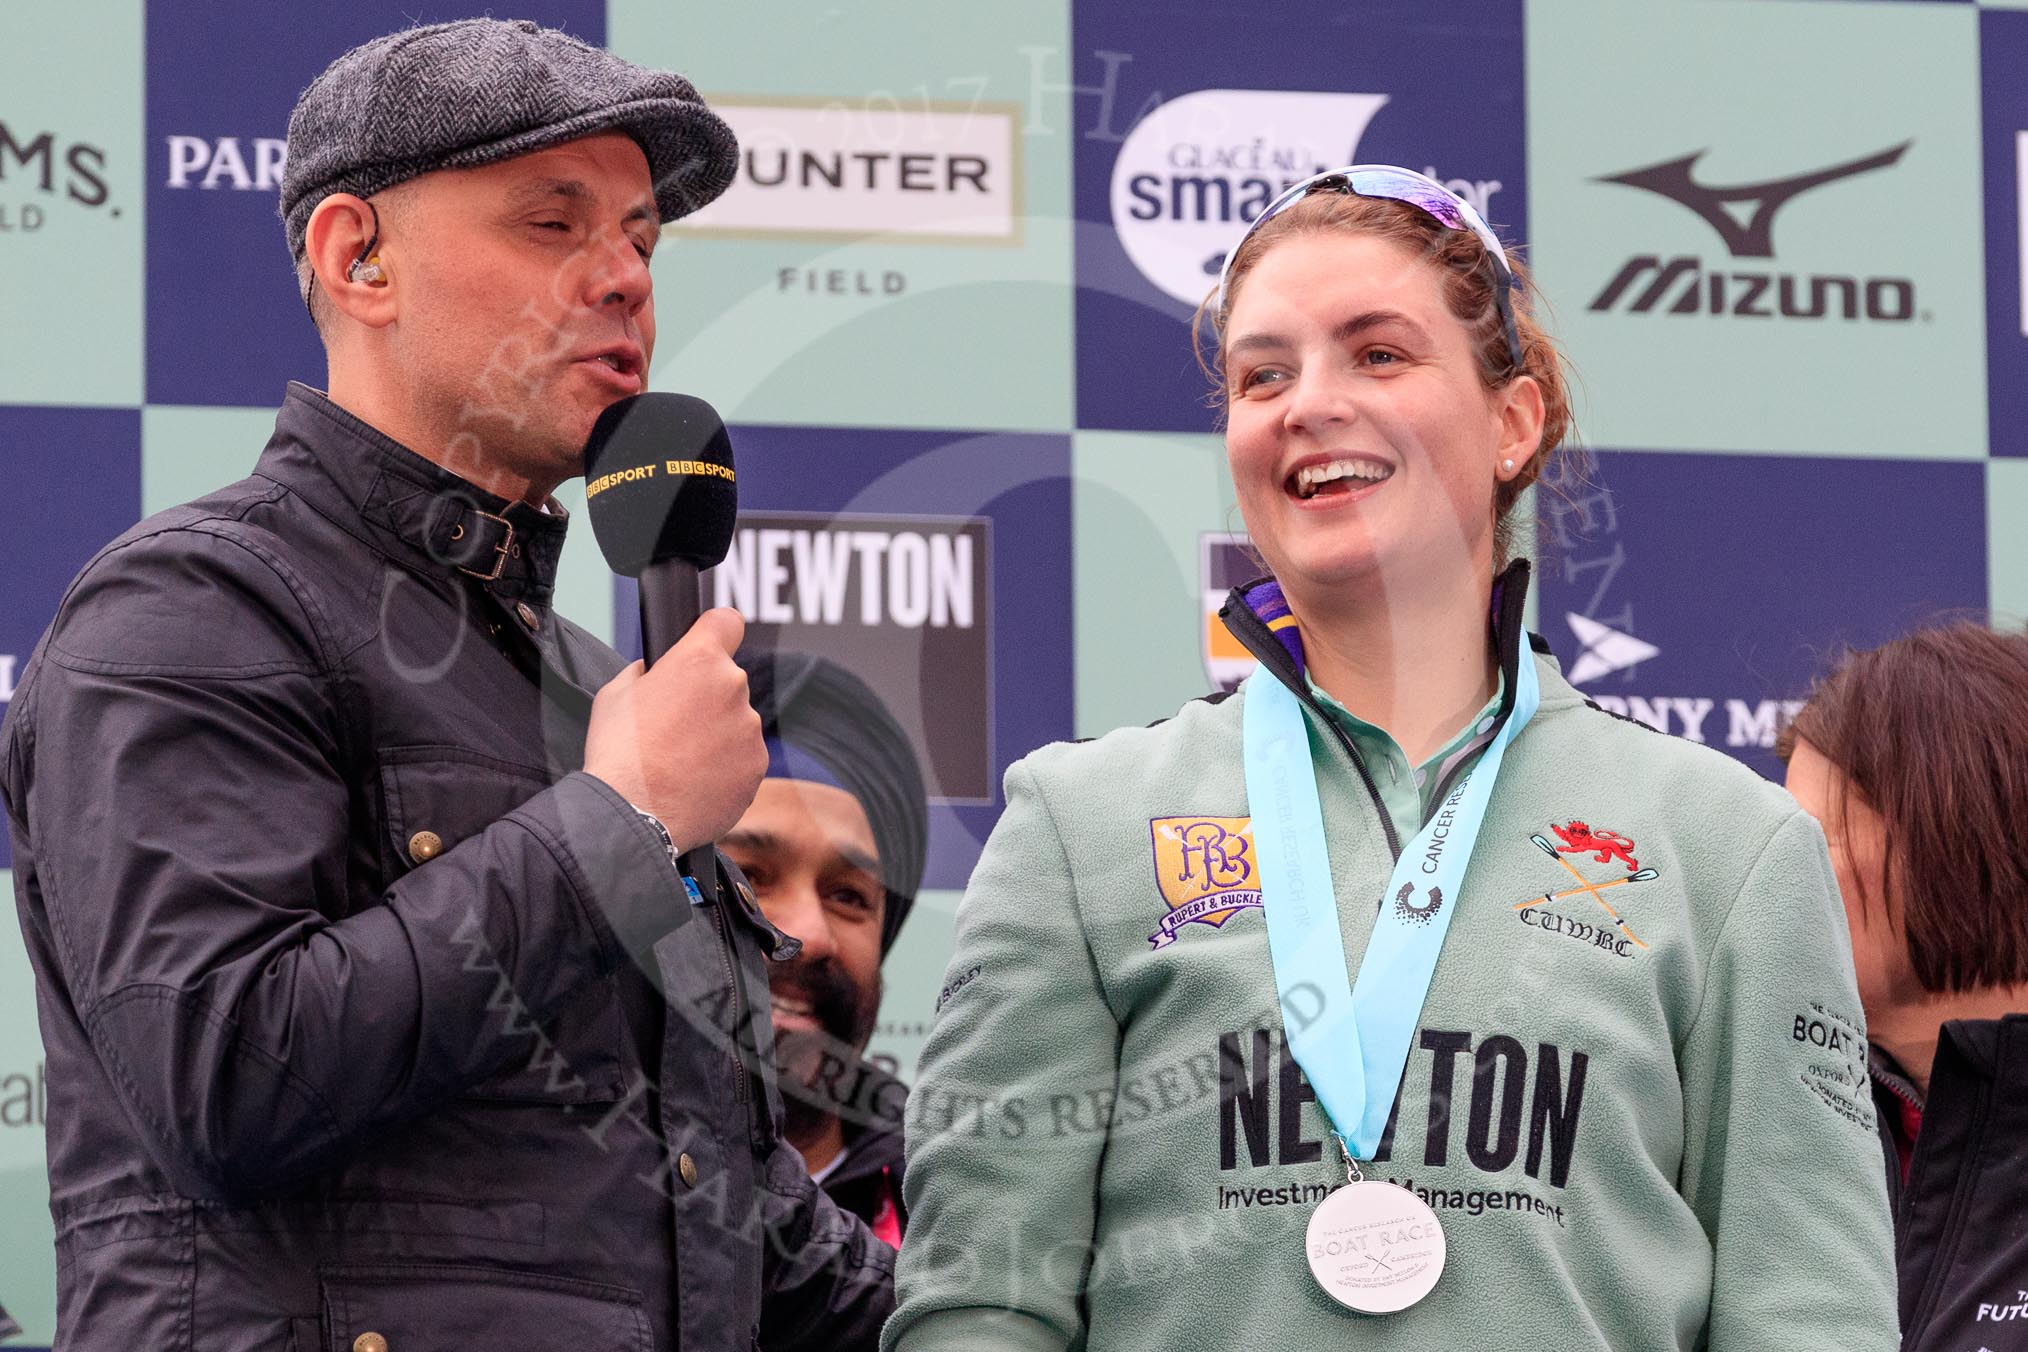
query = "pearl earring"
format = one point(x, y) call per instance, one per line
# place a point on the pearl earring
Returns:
point(1507, 465)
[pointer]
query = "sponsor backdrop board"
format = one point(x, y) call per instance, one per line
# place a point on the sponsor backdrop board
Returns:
point(1147, 505)
point(71, 205)
point(947, 312)
point(895, 251)
point(935, 565)
point(1189, 128)
point(1674, 617)
point(1748, 253)
point(2003, 59)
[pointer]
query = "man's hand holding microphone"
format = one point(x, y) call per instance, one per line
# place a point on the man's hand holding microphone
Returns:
point(678, 740)
point(674, 734)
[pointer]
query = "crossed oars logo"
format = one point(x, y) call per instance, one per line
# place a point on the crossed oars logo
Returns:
point(1585, 885)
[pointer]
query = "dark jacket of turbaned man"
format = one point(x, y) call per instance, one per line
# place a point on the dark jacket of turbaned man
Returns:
point(834, 846)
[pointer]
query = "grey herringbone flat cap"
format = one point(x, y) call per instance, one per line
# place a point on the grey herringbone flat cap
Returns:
point(458, 95)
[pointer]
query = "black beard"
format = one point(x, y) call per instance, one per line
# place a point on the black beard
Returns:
point(820, 1067)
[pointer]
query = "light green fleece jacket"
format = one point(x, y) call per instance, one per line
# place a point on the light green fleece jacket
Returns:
point(1644, 1133)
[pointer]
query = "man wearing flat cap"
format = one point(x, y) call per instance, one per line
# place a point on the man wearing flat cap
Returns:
point(833, 846)
point(378, 1012)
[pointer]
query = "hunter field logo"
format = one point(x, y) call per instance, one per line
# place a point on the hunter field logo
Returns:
point(1743, 217)
point(1197, 169)
point(1597, 846)
point(924, 171)
point(1204, 870)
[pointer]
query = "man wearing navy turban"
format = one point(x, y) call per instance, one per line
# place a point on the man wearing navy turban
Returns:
point(834, 845)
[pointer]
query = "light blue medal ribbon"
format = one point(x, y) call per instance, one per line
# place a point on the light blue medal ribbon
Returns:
point(1356, 1045)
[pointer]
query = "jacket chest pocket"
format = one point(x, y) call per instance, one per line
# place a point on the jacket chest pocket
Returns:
point(430, 1307)
point(435, 798)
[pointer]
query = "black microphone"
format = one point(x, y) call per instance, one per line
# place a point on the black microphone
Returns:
point(660, 487)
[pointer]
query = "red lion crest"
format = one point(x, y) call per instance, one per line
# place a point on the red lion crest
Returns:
point(1577, 838)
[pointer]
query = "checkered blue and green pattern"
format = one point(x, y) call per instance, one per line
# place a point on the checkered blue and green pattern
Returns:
point(1769, 484)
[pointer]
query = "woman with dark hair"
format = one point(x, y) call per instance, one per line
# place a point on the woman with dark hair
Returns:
point(1914, 756)
point(1235, 1051)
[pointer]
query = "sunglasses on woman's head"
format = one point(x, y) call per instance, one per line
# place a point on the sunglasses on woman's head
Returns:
point(1394, 184)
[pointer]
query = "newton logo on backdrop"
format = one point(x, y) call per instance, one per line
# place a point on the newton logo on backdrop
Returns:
point(901, 601)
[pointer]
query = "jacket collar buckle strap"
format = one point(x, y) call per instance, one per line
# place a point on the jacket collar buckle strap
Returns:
point(476, 542)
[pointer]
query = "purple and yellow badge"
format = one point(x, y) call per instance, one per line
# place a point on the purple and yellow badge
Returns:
point(1204, 869)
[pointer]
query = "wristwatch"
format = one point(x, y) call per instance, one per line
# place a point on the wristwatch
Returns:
point(690, 886)
point(675, 857)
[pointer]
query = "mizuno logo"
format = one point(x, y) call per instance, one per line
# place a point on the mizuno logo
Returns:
point(1743, 215)
point(1605, 650)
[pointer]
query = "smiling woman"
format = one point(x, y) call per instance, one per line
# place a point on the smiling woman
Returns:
point(1361, 844)
point(1487, 295)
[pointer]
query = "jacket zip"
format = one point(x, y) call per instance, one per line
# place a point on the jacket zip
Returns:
point(1239, 618)
point(1897, 1188)
point(1945, 1257)
point(1464, 767)
point(1268, 650)
point(740, 1070)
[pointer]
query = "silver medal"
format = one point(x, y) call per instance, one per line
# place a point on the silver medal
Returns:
point(1375, 1247)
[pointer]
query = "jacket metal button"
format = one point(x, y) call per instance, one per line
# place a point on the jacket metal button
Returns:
point(687, 1167)
point(527, 614)
point(369, 1342)
point(424, 846)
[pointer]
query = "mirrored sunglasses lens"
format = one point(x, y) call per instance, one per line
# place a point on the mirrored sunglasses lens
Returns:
point(1416, 194)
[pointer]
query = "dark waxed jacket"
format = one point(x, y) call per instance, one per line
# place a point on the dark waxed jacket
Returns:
point(1961, 1216)
point(868, 1181)
point(350, 980)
